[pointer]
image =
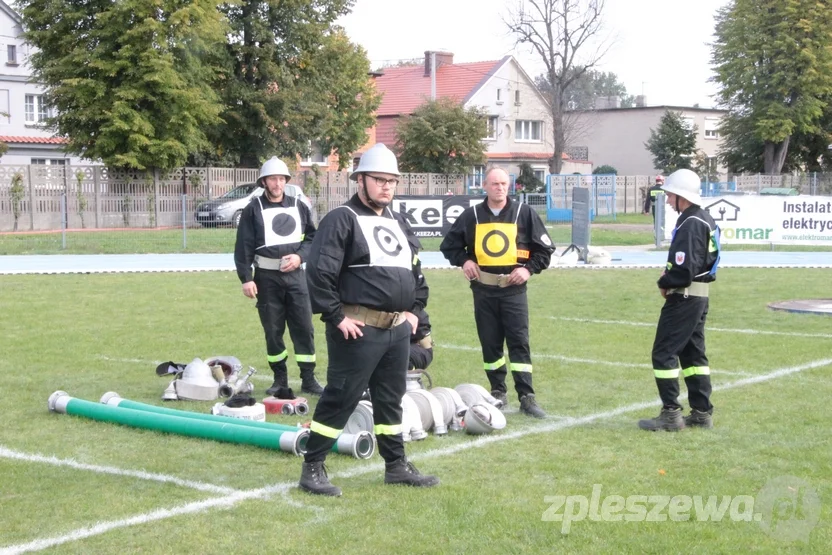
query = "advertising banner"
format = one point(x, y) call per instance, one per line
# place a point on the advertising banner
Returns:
point(791, 220)
point(432, 216)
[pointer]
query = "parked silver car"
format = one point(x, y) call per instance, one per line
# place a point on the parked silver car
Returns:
point(228, 208)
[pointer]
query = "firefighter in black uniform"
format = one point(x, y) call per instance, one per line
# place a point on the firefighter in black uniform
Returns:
point(499, 244)
point(650, 197)
point(275, 234)
point(680, 335)
point(362, 280)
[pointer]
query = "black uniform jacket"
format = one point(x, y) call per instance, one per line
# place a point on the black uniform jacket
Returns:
point(359, 257)
point(251, 234)
point(534, 246)
point(693, 250)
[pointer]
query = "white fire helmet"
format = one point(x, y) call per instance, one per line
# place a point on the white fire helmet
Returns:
point(686, 184)
point(378, 158)
point(483, 418)
point(197, 383)
point(273, 166)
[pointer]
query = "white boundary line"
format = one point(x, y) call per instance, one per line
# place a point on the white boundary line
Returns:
point(723, 330)
point(591, 361)
point(283, 488)
point(141, 474)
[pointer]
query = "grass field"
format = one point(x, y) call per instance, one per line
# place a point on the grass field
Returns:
point(70, 485)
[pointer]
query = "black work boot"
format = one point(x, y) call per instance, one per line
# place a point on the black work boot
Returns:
point(403, 472)
point(669, 420)
point(529, 406)
point(313, 479)
point(281, 379)
point(309, 384)
point(501, 397)
point(699, 419)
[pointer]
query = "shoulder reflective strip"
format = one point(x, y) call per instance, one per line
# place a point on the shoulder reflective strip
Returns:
point(654, 193)
point(305, 358)
point(666, 373)
point(494, 365)
point(387, 429)
point(517, 367)
point(278, 357)
point(697, 371)
point(325, 431)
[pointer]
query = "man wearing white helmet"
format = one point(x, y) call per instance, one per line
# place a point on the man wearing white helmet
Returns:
point(363, 277)
point(680, 335)
point(275, 235)
point(650, 197)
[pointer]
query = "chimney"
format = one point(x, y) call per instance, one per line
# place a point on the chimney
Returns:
point(442, 58)
point(614, 102)
point(641, 101)
point(601, 103)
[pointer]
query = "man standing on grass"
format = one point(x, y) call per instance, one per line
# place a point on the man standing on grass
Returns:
point(680, 335)
point(364, 281)
point(275, 234)
point(499, 244)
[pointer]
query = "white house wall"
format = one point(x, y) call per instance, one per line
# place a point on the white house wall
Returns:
point(14, 86)
point(510, 78)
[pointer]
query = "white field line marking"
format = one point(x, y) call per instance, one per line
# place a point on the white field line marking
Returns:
point(230, 501)
point(158, 514)
point(141, 474)
point(724, 330)
point(589, 361)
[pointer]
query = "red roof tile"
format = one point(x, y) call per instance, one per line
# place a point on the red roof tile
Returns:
point(406, 88)
point(37, 140)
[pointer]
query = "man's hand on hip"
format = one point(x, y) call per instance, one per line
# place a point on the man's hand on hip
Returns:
point(351, 328)
point(519, 276)
point(471, 270)
point(290, 263)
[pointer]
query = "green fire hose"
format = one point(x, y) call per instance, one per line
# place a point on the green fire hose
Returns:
point(287, 441)
point(360, 445)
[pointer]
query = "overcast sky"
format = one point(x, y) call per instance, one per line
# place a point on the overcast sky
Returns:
point(659, 47)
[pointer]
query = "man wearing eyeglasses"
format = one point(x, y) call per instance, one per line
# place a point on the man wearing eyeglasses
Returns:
point(363, 277)
point(499, 244)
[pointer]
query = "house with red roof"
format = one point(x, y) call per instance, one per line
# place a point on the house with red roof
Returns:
point(22, 106)
point(519, 125)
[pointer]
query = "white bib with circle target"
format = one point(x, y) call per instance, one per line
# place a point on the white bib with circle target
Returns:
point(281, 226)
point(387, 242)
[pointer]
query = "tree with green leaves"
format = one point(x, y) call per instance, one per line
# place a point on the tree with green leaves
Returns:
point(530, 183)
point(295, 82)
point(132, 82)
point(673, 144)
point(773, 61)
point(442, 136)
point(605, 169)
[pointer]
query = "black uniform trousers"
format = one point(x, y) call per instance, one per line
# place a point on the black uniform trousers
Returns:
point(504, 319)
point(680, 339)
point(379, 360)
point(284, 298)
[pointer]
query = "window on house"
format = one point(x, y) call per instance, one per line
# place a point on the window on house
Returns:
point(36, 110)
point(517, 96)
point(477, 173)
point(526, 130)
point(49, 161)
point(541, 175)
point(11, 50)
point(711, 128)
point(690, 121)
point(316, 156)
point(492, 128)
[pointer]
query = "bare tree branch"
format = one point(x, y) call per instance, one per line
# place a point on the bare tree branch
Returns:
point(561, 32)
